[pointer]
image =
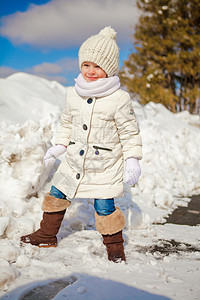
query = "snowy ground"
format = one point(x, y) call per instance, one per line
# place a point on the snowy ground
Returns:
point(163, 261)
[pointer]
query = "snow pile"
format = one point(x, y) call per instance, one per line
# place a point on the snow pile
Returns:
point(22, 173)
point(30, 109)
point(8, 275)
point(171, 161)
point(25, 96)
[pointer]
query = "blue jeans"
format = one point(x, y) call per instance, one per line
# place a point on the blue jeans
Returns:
point(56, 193)
point(103, 207)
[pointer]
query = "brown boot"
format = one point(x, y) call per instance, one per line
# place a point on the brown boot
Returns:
point(110, 227)
point(46, 235)
point(114, 246)
point(54, 211)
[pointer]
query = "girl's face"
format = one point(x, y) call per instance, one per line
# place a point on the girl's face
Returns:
point(92, 72)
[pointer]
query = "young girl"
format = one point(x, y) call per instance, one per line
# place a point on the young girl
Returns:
point(98, 131)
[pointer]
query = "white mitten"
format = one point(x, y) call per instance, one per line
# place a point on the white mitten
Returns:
point(52, 154)
point(132, 171)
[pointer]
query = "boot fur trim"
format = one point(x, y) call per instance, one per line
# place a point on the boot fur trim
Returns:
point(112, 223)
point(53, 204)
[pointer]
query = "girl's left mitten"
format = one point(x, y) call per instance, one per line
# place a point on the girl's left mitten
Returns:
point(132, 171)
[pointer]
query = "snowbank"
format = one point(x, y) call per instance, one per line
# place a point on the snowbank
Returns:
point(171, 159)
point(25, 96)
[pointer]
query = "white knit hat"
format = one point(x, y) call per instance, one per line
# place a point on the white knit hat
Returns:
point(102, 50)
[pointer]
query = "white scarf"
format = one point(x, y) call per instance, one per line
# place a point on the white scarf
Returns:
point(99, 88)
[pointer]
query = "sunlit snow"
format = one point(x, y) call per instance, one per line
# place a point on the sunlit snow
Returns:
point(30, 107)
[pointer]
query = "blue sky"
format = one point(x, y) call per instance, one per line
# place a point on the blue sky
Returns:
point(43, 37)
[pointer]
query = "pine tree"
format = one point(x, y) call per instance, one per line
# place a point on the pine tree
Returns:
point(165, 64)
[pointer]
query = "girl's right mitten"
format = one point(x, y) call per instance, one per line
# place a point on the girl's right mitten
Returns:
point(52, 154)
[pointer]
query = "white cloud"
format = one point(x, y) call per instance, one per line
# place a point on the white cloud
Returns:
point(38, 70)
point(47, 68)
point(56, 71)
point(6, 71)
point(61, 23)
point(69, 64)
point(52, 77)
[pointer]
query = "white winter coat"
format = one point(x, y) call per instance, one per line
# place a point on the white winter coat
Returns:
point(100, 133)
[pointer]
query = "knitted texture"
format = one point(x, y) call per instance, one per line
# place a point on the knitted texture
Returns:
point(132, 171)
point(99, 88)
point(52, 154)
point(102, 50)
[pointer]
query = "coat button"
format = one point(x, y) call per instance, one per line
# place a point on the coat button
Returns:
point(84, 126)
point(81, 152)
point(89, 101)
point(78, 176)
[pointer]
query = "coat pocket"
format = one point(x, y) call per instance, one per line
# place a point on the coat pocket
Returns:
point(101, 148)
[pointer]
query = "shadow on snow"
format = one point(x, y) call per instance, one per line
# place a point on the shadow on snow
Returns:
point(80, 287)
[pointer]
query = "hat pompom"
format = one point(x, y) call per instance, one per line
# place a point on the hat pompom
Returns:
point(109, 33)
